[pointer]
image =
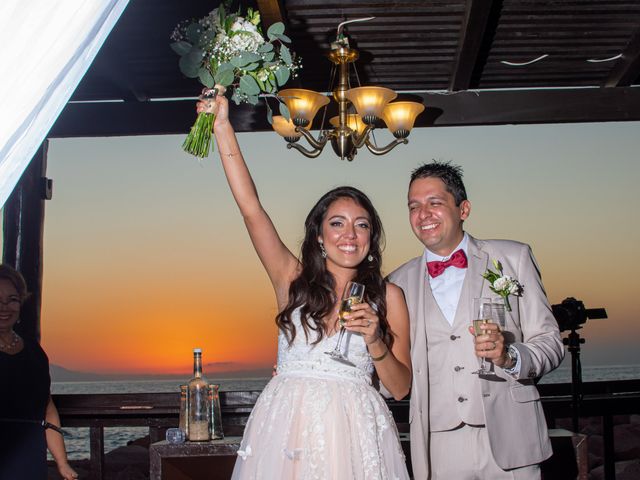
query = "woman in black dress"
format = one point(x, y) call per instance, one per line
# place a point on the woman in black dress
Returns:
point(25, 400)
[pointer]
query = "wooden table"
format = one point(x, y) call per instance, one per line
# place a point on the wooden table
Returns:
point(193, 460)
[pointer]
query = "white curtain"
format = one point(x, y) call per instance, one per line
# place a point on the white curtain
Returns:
point(46, 46)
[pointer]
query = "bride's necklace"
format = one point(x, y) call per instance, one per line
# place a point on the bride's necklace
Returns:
point(14, 341)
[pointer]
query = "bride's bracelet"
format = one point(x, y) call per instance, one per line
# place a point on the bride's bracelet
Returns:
point(381, 357)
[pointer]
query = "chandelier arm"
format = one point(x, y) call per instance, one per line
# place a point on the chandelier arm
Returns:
point(316, 144)
point(307, 153)
point(381, 151)
point(360, 140)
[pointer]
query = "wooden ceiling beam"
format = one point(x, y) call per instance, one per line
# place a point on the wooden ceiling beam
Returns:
point(627, 69)
point(458, 109)
point(471, 38)
point(271, 12)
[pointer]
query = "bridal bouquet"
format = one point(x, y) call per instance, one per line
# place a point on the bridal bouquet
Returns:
point(230, 50)
point(502, 284)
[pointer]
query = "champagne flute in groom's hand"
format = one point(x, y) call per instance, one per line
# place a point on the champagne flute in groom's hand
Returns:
point(484, 313)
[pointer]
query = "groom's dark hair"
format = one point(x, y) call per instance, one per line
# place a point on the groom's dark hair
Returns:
point(451, 176)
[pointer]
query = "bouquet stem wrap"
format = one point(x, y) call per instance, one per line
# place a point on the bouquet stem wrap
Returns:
point(199, 139)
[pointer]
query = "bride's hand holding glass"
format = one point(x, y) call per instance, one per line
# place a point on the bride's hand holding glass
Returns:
point(363, 319)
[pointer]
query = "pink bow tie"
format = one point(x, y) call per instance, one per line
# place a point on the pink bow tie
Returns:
point(437, 268)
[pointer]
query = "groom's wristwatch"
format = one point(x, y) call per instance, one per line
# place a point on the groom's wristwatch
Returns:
point(512, 358)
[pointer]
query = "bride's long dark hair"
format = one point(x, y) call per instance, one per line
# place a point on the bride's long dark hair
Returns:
point(313, 291)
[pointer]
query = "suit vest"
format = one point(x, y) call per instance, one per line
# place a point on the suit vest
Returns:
point(454, 392)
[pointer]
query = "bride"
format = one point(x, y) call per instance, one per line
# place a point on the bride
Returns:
point(319, 418)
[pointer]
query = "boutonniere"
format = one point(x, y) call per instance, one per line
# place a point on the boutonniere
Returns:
point(502, 284)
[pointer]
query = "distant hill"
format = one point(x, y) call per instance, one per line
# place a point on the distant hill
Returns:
point(61, 374)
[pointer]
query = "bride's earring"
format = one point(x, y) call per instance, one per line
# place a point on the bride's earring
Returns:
point(323, 252)
point(370, 258)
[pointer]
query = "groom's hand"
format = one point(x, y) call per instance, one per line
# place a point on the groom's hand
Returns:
point(490, 344)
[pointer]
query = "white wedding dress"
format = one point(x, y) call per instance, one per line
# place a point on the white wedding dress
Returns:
point(319, 419)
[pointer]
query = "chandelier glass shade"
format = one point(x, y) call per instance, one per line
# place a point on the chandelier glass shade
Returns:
point(359, 110)
point(400, 117)
point(285, 128)
point(303, 104)
point(354, 122)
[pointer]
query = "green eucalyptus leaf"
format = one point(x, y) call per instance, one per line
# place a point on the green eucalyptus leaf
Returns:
point(274, 30)
point(189, 68)
point(283, 38)
point(268, 57)
point(282, 76)
point(249, 86)
point(250, 57)
point(284, 111)
point(181, 47)
point(253, 99)
point(223, 67)
point(245, 59)
point(193, 32)
point(265, 47)
point(285, 54)
point(251, 67)
point(205, 78)
point(224, 77)
point(269, 114)
point(195, 56)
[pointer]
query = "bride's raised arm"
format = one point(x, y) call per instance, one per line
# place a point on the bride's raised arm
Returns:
point(281, 265)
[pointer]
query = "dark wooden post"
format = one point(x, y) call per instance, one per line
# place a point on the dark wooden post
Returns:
point(96, 443)
point(22, 236)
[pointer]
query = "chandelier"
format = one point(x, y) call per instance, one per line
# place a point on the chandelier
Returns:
point(359, 110)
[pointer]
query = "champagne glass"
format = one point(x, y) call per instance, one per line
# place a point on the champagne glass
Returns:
point(483, 314)
point(499, 313)
point(353, 294)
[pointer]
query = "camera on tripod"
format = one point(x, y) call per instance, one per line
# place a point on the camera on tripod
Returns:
point(571, 314)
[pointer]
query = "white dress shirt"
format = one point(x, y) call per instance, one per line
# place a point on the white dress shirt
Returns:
point(446, 288)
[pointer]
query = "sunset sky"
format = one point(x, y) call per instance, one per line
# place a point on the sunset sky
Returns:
point(147, 257)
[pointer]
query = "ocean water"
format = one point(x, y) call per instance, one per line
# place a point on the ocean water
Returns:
point(78, 444)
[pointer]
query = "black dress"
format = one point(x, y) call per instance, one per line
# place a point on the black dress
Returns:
point(24, 392)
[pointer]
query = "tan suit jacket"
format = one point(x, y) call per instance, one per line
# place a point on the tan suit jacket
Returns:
point(512, 409)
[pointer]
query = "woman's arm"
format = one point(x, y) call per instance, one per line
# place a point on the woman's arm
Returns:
point(55, 443)
point(281, 265)
point(393, 366)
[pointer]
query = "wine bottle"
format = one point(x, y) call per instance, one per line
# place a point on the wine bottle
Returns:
point(198, 405)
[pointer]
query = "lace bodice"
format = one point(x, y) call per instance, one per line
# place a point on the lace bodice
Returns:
point(304, 358)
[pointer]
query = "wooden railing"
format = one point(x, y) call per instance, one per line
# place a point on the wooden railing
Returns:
point(159, 411)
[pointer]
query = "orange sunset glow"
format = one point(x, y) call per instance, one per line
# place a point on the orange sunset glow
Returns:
point(147, 257)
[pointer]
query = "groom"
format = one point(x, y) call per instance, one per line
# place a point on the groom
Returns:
point(466, 426)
